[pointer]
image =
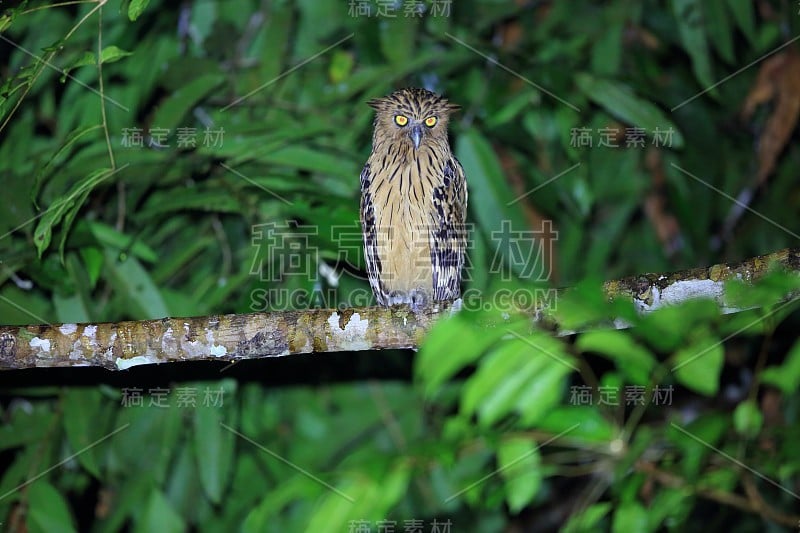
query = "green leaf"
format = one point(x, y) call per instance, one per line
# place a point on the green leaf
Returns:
point(720, 30)
point(541, 394)
point(520, 375)
point(93, 263)
point(58, 157)
point(786, 376)
point(25, 429)
point(82, 424)
point(159, 515)
point(66, 207)
point(582, 422)
point(630, 517)
point(134, 285)
point(698, 366)
point(633, 360)
point(112, 53)
point(495, 207)
point(214, 447)
point(314, 160)
point(136, 8)
point(70, 308)
point(358, 495)
point(48, 509)
point(697, 440)
point(747, 419)
point(745, 18)
point(519, 462)
point(620, 101)
point(673, 505)
point(692, 30)
point(341, 66)
point(588, 520)
point(109, 54)
point(109, 236)
point(175, 107)
point(461, 339)
point(167, 201)
point(668, 327)
point(607, 50)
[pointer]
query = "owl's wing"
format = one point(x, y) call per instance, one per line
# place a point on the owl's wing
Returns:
point(370, 232)
point(448, 235)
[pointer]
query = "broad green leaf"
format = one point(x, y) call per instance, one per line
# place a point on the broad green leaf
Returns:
point(607, 50)
point(719, 479)
point(620, 101)
point(47, 509)
point(315, 160)
point(745, 18)
point(175, 108)
point(92, 258)
point(75, 304)
point(262, 516)
point(109, 54)
point(588, 520)
point(537, 397)
point(519, 463)
point(697, 440)
point(583, 305)
point(461, 340)
point(167, 201)
point(214, 448)
point(631, 359)
point(82, 418)
point(341, 66)
point(113, 53)
point(583, 423)
point(698, 366)
point(134, 286)
point(668, 327)
point(108, 236)
point(520, 375)
point(66, 207)
point(772, 289)
point(630, 517)
point(747, 419)
point(147, 446)
point(367, 497)
point(511, 110)
point(25, 429)
point(159, 515)
point(70, 308)
point(670, 504)
point(136, 8)
point(692, 30)
point(496, 208)
point(58, 157)
point(786, 376)
point(720, 30)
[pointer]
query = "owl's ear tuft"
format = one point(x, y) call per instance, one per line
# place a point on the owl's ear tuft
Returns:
point(377, 103)
point(453, 107)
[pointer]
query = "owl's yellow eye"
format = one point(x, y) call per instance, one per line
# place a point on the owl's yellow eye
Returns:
point(400, 120)
point(430, 122)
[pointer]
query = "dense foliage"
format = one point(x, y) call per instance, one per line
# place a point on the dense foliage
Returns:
point(176, 159)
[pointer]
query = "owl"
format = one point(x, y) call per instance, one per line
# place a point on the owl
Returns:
point(413, 202)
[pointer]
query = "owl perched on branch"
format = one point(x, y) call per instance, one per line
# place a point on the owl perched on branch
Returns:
point(413, 202)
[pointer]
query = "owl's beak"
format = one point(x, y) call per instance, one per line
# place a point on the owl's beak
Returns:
point(416, 135)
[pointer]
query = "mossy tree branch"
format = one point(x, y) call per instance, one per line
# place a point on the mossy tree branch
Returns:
point(121, 345)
